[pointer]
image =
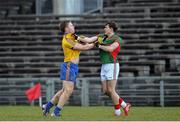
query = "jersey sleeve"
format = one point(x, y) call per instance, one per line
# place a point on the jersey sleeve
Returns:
point(70, 41)
point(118, 39)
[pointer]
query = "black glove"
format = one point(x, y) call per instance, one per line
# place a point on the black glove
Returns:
point(97, 44)
point(75, 36)
point(105, 37)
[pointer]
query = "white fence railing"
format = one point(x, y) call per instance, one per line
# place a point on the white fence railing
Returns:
point(156, 90)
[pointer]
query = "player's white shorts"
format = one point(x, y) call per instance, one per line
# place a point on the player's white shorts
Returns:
point(109, 71)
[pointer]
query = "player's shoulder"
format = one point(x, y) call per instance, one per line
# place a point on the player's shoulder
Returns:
point(116, 36)
point(68, 36)
point(69, 40)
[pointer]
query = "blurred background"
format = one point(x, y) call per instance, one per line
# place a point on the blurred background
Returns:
point(30, 49)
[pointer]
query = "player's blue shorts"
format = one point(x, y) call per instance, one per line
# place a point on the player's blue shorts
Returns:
point(69, 71)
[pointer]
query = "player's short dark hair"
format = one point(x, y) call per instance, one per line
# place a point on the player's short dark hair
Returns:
point(112, 25)
point(63, 25)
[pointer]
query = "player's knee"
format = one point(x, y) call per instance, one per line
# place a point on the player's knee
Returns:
point(68, 90)
point(59, 93)
point(110, 91)
point(106, 93)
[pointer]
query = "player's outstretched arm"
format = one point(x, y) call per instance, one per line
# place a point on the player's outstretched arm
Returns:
point(109, 48)
point(82, 47)
point(85, 39)
point(88, 39)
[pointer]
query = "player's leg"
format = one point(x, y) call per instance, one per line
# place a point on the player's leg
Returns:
point(111, 74)
point(55, 98)
point(69, 79)
point(68, 87)
point(112, 87)
point(111, 84)
point(46, 107)
point(123, 104)
point(103, 81)
point(104, 88)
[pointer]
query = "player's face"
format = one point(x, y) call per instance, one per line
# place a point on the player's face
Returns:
point(70, 28)
point(107, 30)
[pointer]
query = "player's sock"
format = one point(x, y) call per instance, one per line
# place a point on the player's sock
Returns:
point(46, 108)
point(117, 106)
point(57, 111)
point(49, 105)
point(122, 103)
point(117, 111)
point(125, 106)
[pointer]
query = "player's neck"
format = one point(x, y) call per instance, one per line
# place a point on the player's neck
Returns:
point(110, 35)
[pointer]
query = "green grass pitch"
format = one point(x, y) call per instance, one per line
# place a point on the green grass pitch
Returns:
point(95, 113)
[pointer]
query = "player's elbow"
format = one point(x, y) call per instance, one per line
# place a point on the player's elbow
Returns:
point(82, 47)
point(111, 49)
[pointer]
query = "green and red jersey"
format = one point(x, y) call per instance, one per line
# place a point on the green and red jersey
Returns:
point(107, 57)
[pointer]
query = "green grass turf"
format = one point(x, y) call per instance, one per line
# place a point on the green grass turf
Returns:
point(98, 113)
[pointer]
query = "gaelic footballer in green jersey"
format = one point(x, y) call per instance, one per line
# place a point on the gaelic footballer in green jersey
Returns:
point(109, 45)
